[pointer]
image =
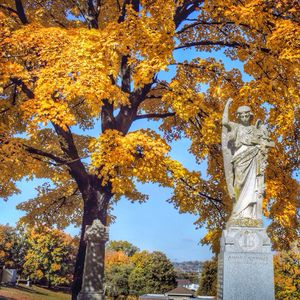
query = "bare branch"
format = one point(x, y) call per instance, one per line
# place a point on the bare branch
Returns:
point(212, 23)
point(154, 116)
point(182, 12)
point(219, 43)
point(8, 8)
point(212, 43)
point(211, 199)
point(45, 154)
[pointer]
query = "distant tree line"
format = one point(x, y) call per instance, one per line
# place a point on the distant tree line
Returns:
point(43, 254)
point(131, 272)
point(47, 257)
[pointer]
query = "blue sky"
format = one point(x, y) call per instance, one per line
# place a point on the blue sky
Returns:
point(156, 224)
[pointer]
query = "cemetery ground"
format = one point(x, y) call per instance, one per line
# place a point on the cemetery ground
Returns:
point(23, 292)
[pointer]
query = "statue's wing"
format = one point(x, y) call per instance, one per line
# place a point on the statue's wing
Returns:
point(227, 149)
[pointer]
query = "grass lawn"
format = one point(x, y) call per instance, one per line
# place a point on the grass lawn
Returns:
point(22, 292)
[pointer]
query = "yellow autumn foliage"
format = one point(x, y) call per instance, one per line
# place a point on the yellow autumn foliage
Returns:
point(69, 66)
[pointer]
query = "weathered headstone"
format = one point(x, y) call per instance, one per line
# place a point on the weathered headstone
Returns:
point(9, 276)
point(245, 262)
point(92, 286)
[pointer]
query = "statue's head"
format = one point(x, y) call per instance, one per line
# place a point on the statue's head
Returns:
point(244, 114)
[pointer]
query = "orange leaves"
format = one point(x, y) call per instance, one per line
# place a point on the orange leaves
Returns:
point(67, 65)
point(140, 154)
point(116, 258)
point(50, 255)
point(60, 205)
point(285, 40)
point(153, 52)
point(287, 273)
point(53, 111)
point(55, 70)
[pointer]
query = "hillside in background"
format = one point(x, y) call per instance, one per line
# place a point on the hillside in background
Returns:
point(194, 266)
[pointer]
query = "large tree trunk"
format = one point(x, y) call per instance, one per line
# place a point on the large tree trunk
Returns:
point(96, 199)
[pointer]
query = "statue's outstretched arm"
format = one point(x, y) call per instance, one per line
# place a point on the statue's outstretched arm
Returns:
point(225, 119)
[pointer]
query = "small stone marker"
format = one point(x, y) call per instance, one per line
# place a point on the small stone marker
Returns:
point(92, 285)
point(9, 276)
point(28, 283)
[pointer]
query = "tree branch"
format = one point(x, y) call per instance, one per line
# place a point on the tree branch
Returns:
point(188, 7)
point(24, 87)
point(80, 10)
point(93, 15)
point(219, 43)
point(211, 199)
point(45, 154)
point(154, 116)
point(53, 17)
point(212, 43)
point(212, 23)
point(67, 144)
point(20, 11)
point(8, 8)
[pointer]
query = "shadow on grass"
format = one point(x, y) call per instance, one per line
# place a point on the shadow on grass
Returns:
point(24, 289)
point(61, 289)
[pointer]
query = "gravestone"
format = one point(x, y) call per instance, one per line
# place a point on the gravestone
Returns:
point(245, 265)
point(9, 276)
point(92, 285)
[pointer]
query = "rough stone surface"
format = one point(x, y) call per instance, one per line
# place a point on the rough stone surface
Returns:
point(9, 276)
point(245, 265)
point(92, 285)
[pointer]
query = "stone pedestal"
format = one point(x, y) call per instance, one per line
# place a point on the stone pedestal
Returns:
point(245, 265)
point(92, 285)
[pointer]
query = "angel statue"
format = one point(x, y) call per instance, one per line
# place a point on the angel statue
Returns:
point(245, 149)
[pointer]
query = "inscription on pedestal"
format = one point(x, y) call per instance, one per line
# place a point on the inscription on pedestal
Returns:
point(242, 259)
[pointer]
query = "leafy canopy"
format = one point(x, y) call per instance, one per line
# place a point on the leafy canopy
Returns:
point(50, 256)
point(287, 273)
point(68, 65)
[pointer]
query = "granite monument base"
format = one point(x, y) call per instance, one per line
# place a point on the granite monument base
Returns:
point(245, 265)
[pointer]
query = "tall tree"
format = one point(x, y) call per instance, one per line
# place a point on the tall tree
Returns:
point(69, 66)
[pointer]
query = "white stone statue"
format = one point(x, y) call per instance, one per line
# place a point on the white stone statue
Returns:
point(244, 149)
